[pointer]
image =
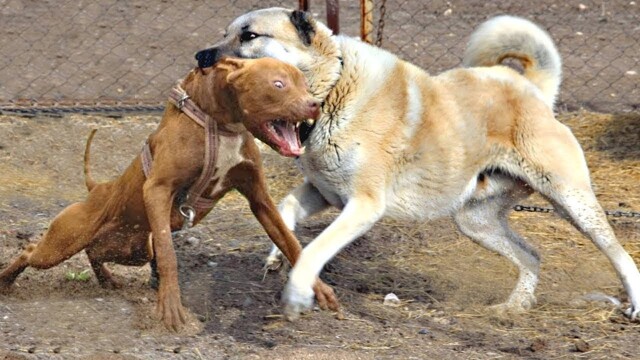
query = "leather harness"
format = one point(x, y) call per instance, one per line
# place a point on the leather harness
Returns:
point(193, 200)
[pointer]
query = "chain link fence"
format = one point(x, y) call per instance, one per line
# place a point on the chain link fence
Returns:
point(599, 42)
point(132, 52)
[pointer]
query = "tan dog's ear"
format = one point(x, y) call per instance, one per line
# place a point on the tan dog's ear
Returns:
point(234, 68)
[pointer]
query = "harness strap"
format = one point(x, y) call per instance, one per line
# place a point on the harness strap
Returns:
point(193, 200)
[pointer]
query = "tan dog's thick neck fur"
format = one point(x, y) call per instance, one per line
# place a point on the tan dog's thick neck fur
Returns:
point(115, 221)
point(394, 141)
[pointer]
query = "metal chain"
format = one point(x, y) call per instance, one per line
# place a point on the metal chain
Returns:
point(383, 11)
point(614, 213)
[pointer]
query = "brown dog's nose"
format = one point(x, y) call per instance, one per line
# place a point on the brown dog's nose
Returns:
point(314, 107)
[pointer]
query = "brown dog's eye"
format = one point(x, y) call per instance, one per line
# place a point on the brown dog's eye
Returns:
point(279, 84)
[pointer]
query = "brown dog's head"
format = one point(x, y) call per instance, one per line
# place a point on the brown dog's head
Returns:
point(270, 98)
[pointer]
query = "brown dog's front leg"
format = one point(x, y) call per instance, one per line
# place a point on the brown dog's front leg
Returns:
point(157, 201)
point(267, 214)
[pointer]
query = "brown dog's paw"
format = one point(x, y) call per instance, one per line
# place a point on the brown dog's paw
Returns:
point(325, 296)
point(170, 310)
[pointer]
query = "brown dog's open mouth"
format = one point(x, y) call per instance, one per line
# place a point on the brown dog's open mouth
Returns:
point(284, 137)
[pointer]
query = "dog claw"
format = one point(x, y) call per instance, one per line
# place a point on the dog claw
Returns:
point(170, 311)
point(272, 263)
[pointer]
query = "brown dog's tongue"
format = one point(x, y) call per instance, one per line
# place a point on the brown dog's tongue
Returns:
point(291, 136)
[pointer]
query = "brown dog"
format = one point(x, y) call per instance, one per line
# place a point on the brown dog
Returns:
point(264, 98)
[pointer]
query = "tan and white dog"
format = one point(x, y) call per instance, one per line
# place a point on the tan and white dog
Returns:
point(394, 141)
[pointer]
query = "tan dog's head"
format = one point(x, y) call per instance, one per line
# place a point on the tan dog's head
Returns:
point(269, 97)
point(280, 33)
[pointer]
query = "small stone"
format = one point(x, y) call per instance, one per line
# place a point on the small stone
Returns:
point(193, 241)
point(212, 263)
point(579, 33)
point(582, 7)
point(447, 12)
point(538, 345)
point(631, 72)
point(116, 351)
point(248, 301)
point(423, 332)
point(391, 299)
point(56, 350)
point(581, 345)
point(31, 350)
point(24, 235)
point(177, 350)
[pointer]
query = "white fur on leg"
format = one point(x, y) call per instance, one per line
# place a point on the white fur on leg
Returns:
point(582, 208)
point(302, 202)
point(352, 222)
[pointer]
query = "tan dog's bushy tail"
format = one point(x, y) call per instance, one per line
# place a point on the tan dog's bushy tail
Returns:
point(505, 37)
point(88, 180)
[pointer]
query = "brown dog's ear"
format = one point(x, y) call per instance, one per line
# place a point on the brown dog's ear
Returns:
point(234, 68)
point(304, 24)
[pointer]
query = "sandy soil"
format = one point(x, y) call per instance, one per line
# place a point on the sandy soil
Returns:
point(444, 281)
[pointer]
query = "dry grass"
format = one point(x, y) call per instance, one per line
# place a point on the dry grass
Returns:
point(445, 281)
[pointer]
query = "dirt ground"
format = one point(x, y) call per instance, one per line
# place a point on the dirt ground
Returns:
point(445, 282)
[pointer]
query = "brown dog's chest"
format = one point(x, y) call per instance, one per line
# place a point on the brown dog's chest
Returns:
point(229, 155)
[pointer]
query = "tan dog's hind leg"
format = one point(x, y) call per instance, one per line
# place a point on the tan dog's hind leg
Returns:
point(69, 233)
point(485, 222)
point(562, 176)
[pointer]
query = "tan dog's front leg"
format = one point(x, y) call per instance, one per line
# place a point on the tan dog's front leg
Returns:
point(157, 201)
point(267, 214)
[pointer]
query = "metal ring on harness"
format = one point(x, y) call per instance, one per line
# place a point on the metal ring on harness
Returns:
point(189, 214)
point(181, 101)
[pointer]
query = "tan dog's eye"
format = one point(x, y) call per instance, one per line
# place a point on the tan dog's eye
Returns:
point(279, 84)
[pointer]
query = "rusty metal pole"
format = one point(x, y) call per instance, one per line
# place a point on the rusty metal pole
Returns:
point(366, 21)
point(333, 15)
point(303, 5)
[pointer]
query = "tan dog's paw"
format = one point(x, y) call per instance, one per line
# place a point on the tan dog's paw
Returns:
point(170, 310)
point(325, 296)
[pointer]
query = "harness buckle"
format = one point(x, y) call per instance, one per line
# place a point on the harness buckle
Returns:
point(181, 101)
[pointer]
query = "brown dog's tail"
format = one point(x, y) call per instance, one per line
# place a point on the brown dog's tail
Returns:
point(88, 180)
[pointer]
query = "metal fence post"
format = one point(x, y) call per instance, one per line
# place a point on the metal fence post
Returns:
point(366, 21)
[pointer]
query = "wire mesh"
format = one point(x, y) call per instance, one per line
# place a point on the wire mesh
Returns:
point(133, 51)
